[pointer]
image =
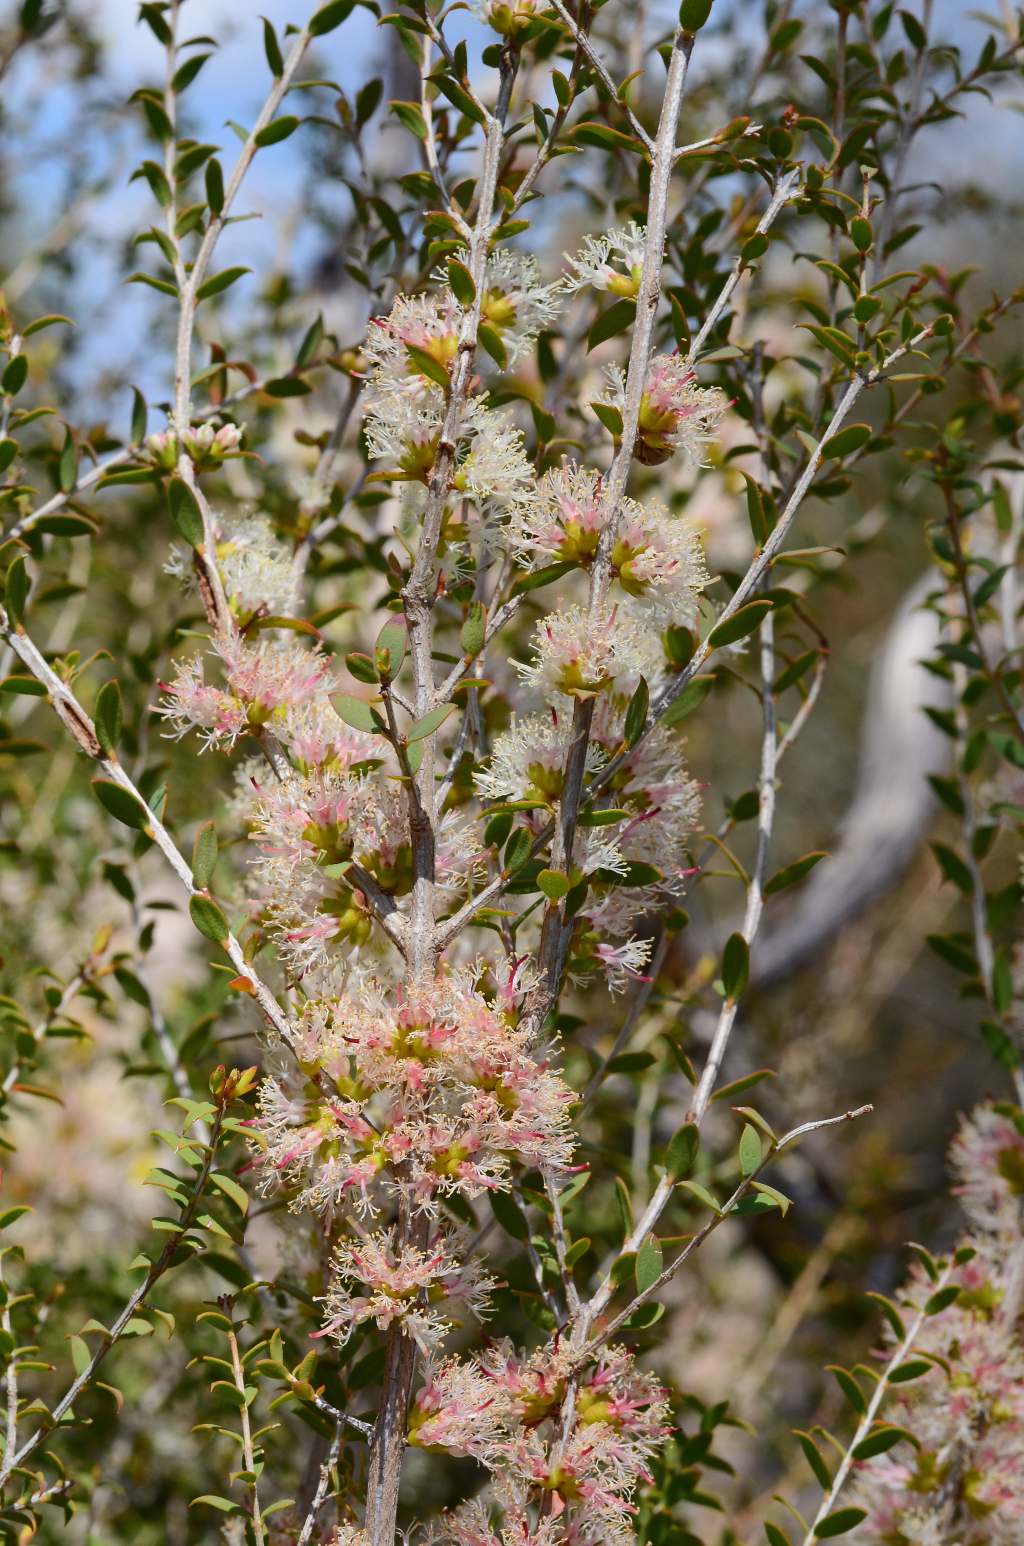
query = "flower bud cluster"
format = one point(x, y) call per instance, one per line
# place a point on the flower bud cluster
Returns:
point(512, 1421)
point(205, 444)
point(430, 1093)
point(963, 1478)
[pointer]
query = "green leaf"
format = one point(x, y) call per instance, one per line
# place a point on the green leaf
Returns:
point(157, 179)
point(943, 1299)
point(740, 624)
point(636, 714)
point(15, 375)
point(363, 669)
point(690, 699)
point(185, 512)
point(682, 1151)
point(287, 386)
point(646, 1315)
point(80, 1354)
point(187, 72)
point(230, 1187)
point(474, 630)
point(277, 130)
point(606, 818)
point(460, 282)
point(735, 965)
point(680, 330)
point(846, 441)
point(272, 49)
point(1002, 982)
point(329, 17)
point(850, 1389)
point(749, 1151)
point(219, 282)
point(204, 855)
point(16, 748)
point(409, 115)
point(794, 671)
point(541, 577)
point(67, 467)
point(814, 1458)
point(458, 97)
point(793, 872)
point(428, 366)
point(214, 186)
point(913, 1369)
point(953, 867)
point(357, 713)
point(131, 986)
point(26, 685)
point(16, 591)
point(368, 1370)
point(163, 285)
point(224, 1504)
point(755, 511)
point(536, 1310)
point(553, 883)
point(41, 322)
point(393, 638)
point(509, 1215)
point(987, 589)
point(517, 849)
point(613, 320)
point(739, 1085)
point(208, 919)
point(610, 417)
point(108, 716)
point(430, 722)
point(776, 1537)
point(310, 343)
point(999, 1044)
point(603, 138)
point(631, 1062)
point(623, 1268)
point(775, 1198)
point(121, 804)
point(623, 1208)
point(839, 1523)
point(880, 1441)
point(953, 953)
point(493, 343)
point(891, 1314)
point(8, 451)
point(702, 1195)
point(577, 1251)
point(543, 422)
point(65, 526)
point(648, 1264)
point(754, 247)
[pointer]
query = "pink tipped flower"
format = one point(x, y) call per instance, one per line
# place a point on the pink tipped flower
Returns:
point(263, 680)
point(626, 248)
point(675, 413)
point(580, 653)
point(458, 1410)
point(161, 449)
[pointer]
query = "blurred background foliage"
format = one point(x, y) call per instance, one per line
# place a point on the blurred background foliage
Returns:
point(873, 1015)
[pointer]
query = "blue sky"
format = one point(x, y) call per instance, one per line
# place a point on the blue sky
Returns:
point(986, 149)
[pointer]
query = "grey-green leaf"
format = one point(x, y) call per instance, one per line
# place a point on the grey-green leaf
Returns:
point(431, 722)
point(204, 855)
point(109, 716)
